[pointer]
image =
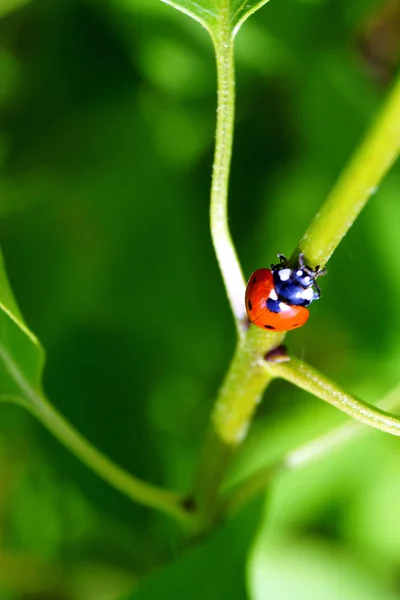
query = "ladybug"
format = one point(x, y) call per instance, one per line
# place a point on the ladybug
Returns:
point(276, 298)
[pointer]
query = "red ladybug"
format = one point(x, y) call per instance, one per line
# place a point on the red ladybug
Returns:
point(276, 298)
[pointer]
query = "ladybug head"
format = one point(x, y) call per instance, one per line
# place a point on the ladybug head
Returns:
point(304, 275)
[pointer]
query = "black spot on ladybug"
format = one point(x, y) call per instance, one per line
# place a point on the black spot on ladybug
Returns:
point(254, 280)
point(269, 327)
point(295, 325)
point(249, 304)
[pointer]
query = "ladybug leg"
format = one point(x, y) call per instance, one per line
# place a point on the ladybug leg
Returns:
point(283, 262)
point(301, 260)
point(317, 291)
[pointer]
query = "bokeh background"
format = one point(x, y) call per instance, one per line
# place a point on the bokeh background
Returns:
point(106, 142)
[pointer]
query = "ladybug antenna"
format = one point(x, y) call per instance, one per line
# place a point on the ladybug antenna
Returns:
point(283, 261)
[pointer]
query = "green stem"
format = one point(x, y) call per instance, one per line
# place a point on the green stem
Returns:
point(246, 379)
point(309, 379)
point(243, 386)
point(345, 433)
point(233, 411)
point(226, 254)
point(13, 399)
point(358, 182)
point(139, 491)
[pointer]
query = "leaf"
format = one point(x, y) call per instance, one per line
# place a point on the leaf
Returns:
point(216, 14)
point(242, 11)
point(21, 356)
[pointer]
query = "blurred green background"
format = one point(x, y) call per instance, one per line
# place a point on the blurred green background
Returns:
point(106, 142)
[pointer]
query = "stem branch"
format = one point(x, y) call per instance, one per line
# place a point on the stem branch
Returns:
point(358, 182)
point(310, 380)
point(136, 489)
point(139, 491)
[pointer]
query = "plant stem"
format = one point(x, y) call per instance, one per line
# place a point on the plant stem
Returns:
point(309, 379)
point(356, 185)
point(236, 403)
point(243, 386)
point(345, 433)
point(246, 378)
point(139, 491)
point(226, 254)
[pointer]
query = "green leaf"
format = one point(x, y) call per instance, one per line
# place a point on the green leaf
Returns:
point(21, 356)
point(215, 15)
point(241, 10)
